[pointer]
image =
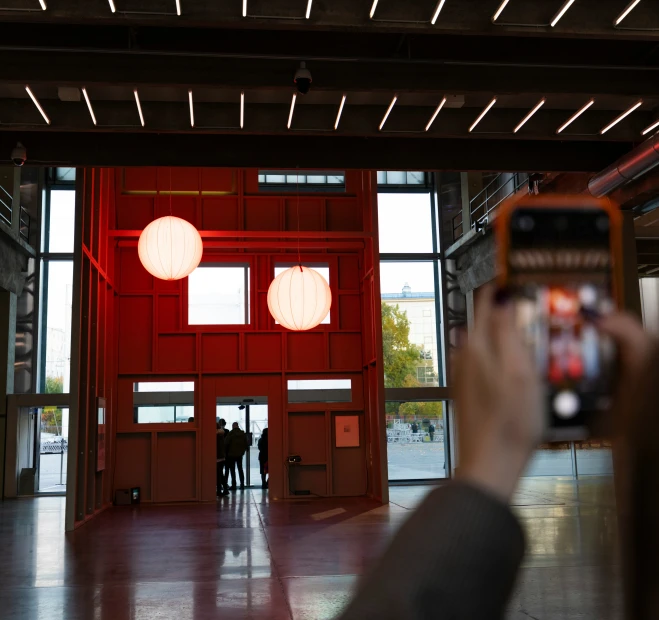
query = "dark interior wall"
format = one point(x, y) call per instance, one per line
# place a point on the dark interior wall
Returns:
point(238, 222)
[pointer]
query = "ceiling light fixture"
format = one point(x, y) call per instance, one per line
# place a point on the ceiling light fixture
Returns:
point(530, 114)
point(139, 106)
point(244, 8)
point(630, 7)
point(36, 103)
point(386, 114)
point(373, 7)
point(112, 7)
point(482, 114)
point(434, 116)
point(178, 7)
point(89, 105)
point(625, 114)
point(502, 6)
point(43, 4)
point(338, 116)
point(191, 108)
point(561, 12)
point(650, 128)
point(290, 114)
point(575, 116)
point(309, 3)
point(438, 10)
point(242, 109)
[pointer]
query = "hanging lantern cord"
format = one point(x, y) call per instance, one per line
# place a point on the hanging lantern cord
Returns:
point(297, 177)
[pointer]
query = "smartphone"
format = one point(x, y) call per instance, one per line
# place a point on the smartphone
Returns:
point(560, 258)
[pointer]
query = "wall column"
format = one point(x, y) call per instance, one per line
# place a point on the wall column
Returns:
point(7, 344)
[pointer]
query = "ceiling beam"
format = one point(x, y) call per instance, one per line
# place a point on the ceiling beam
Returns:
point(320, 152)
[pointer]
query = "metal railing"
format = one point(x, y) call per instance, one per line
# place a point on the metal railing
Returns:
point(488, 199)
point(7, 214)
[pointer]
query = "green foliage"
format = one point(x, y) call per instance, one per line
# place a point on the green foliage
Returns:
point(51, 417)
point(54, 385)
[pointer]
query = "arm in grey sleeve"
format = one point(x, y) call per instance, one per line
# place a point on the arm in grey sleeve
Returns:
point(455, 558)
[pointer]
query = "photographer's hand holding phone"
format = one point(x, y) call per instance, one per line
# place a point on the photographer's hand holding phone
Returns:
point(500, 401)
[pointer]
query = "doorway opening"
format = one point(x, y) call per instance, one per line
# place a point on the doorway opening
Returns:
point(251, 414)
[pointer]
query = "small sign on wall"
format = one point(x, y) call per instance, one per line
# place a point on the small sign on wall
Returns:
point(347, 431)
point(100, 435)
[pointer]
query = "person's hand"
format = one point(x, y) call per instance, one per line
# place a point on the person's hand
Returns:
point(499, 401)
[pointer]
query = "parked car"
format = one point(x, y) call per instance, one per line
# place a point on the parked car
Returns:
point(54, 445)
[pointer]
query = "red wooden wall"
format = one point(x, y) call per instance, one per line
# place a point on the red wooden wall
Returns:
point(238, 222)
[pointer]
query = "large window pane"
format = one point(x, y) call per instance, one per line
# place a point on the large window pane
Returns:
point(62, 221)
point(59, 286)
point(219, 295)
point(409, 325)
point(415, 440)
point(163, 402)
point(405, 223)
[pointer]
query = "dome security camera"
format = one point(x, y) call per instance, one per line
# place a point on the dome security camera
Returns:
point(303, 79)
point(19, 154)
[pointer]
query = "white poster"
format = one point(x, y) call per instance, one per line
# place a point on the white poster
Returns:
point(347, 431)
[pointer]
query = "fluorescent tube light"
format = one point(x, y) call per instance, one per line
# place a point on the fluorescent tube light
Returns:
point(575, 116)
point(338, 116)
point(290, 114)
point(438, 10)
point(191, 108)
point(89, 105)
point(386, 114)
point(630, 7)
point(625, 114)
point(562, 12)
point(482, 114)
point(36, 103)
point(530, 114)
point(502, 6)
point(242, 109)
point(139, 107)
point(434, 116)
point(373, 7)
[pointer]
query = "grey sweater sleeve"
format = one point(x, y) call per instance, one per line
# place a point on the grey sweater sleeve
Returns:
point(455, 558)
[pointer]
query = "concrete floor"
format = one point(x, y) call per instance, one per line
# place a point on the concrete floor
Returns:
point(246, 558)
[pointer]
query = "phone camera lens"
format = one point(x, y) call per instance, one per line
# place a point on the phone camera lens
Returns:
point(525, 223)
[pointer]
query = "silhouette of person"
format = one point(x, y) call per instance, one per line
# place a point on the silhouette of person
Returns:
point(236, 446)
point(263, 457)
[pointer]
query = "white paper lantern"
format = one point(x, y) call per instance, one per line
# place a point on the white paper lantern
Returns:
point(299, 298)
point(170, 248)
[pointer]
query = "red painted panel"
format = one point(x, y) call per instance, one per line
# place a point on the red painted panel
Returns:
point(135, 339)
point(344, 214)
point(218, 179)
point(307, 436)
point(169, 314)
point(178, 179)
point(349, 273)
point(184, 207)
point(133, 463)
point(262, 214)
point(264, 318)
point(219, 352)
point(305, 351)
point(175, 467)
point(350, 312)
point(345, 351)
point(134, 212)
point(263, 352)
point(311, 213)
point(348, 471)
point(132, 273)
point(137, 179)
point(220, 213)
point(313, 479)
point(177, 353)
point(167, 285)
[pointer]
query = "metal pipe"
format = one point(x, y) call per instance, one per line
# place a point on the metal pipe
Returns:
point(637, 162)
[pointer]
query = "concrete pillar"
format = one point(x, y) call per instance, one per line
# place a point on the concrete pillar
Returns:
point(7, 341)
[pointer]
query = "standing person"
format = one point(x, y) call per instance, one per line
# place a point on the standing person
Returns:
point(415, 427)
point(220, 453)
point(431, 431)
point(236, 446)
point(263, 457)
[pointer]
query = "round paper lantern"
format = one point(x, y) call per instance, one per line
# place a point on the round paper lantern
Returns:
point(170, 248)
point(299, 298)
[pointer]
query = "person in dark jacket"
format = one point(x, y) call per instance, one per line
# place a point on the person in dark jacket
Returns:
point(431, 431)
point(220, 453)
point(415, 427)
point(263, 457)
point(236, 446)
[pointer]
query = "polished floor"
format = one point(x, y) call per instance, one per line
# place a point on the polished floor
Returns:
point(246, 558)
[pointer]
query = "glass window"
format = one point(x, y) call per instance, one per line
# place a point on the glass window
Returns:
point(323, 270)
point(65, 174)
point(415, 440)
point(162, 402)
point(219, 295)
point(58, 281)
point(320, 391)
point(61, 223)
point(53, 446)
point(287, 180)
point(594, 457)
point(405, 223)
point(409, 335)
point(402, 178)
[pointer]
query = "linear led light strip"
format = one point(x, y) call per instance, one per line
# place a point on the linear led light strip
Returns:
point(244, 8)
point(530, 114)
point(373, 7)
point(650, 128)
point(561, 12)
point(438, 10)
point(502, 6)
point(43, 4)
point(242, 109)
point(575, 116)
point(139, 106)
point(386, 114)
point(191, 108)
point(434, 116)
point(625, 114)
point(112, 7)
point(89, 105)
point(630, 7)
point(290, 114)
point(178, 7)
point(482, 114)
point(338, 116)
point(36, 103)
point(309, 3)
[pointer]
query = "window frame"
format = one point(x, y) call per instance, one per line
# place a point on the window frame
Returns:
point(302, 188)
point(132, 425)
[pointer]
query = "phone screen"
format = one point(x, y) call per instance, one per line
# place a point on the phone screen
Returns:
point(560, 271)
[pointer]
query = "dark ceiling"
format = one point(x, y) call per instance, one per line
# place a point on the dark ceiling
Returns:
point(218, 55)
